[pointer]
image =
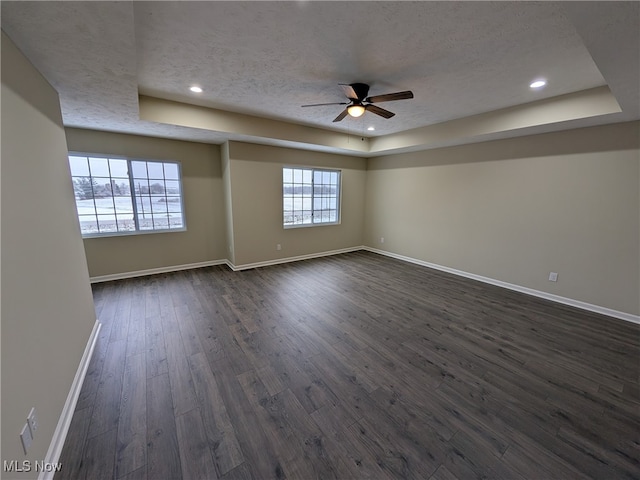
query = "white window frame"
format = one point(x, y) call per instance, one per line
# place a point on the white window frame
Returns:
point(313, 210)
point(133, 195)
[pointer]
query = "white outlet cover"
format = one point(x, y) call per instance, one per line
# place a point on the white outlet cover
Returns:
point(26, 438)
point(553, 277)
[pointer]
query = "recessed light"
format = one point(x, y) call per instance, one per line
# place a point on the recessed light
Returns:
point(538, 84)
point(196, 89)
point(371, 129)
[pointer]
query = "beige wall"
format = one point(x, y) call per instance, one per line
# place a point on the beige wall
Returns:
point(256, 196)
point(510, 210)
point(47, 308)
point(205, 238)
point(515, 210)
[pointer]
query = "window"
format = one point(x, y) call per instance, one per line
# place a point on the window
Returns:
point(116, 196)
point(310, 196)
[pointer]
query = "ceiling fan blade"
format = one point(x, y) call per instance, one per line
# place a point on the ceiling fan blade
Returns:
point(349, 92)
point(341, 116)
point(323, 104)
point(390, 97)
point(379, 111)
point(355, 91)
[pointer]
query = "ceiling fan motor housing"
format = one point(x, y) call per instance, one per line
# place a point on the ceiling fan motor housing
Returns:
point(361, 90)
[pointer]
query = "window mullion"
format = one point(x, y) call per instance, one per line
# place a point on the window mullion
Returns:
point(93, 196)
point(113, 196)
point(313, 193)
point(166, 199)
point(132, 188)
point(153, 220)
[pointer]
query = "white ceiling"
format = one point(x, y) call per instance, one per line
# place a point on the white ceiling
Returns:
point(266, 59)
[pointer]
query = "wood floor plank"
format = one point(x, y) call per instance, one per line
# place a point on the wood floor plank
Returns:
point(139, 474)
point(182, 390)
point(475, 418)
point(525, 456)
point(348, 355)
point(270, 379)
point(91, 382)
point(394, 452)
point(340, 443)
point(72, 462)
point(247, 344)
point(156, 354)
point(344, 385)
point(241, 472)
point(303, 379)
point(256, 446)
point(190, 336)
point(415, 415)
point(136, 332)
point(480, 454)
point(443, 474)
point(106, 408)
point(151, 301)
point(163, 284)
point(163, 459)
point(99, 456)
point(224, 445)
point(312, 441)
point(132, 424)
point(274, 424)
point(601, 461)
point(120, 322)
point(195, 454)
point(243, 309)
point(351, 366)
point(105, 311)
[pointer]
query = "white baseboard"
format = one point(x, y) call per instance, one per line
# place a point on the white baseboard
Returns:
point(60, 433)
point(518, 288)
point(529, 291)
point(154, 271)
point(235, 268)
point(278, 261)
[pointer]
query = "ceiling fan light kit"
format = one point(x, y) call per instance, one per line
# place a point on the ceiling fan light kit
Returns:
point(356, 110)
point(359, 102)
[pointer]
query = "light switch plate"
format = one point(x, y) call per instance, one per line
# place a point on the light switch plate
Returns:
point(32, 420)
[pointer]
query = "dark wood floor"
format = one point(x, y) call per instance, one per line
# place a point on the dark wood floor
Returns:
point(353, 366)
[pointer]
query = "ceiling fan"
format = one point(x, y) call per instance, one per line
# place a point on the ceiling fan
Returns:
point(359, 102)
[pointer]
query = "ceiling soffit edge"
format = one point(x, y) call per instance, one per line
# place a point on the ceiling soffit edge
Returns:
point(564, 108)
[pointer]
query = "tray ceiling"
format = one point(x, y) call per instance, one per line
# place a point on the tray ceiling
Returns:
point(260, 61)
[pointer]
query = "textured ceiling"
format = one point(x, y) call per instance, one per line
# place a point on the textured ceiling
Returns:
point(265, 59)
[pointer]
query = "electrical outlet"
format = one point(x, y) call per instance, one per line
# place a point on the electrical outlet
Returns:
point(553, 277)
point(381, 239)
point(278, 247)
point(26, 438)
point(32, 421)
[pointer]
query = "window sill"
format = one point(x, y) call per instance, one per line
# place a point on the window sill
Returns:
point(306, 225)
point(132, 234)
